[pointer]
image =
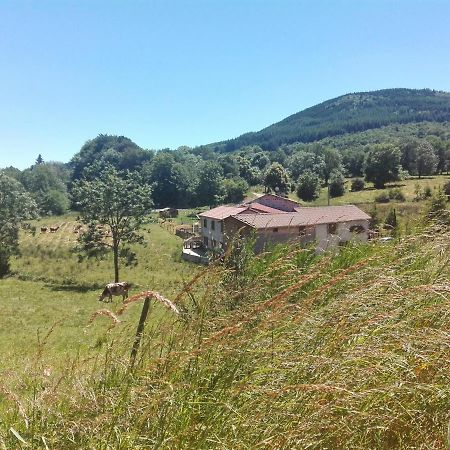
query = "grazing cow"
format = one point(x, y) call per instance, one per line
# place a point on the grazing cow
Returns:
point(43, 229)
point(54, 229)
point(115, 289)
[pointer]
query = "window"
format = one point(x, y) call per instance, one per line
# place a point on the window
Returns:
point(357, 229)
point(205, 241)
point(302, 231)
point(275, 230)
point(213, 224)
point(332, 227)
point(221, 226)
point(205, 223)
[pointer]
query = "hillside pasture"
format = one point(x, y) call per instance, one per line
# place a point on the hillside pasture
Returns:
point(408, 188)
point(52, 290)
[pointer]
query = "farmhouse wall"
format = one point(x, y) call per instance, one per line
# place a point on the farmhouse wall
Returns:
point(268, 236)
point(215, 235)
point(327, 241)
point(318, 233)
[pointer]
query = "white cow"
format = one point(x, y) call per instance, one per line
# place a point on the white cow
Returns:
point(115, 289)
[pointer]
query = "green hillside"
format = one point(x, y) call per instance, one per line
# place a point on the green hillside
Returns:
point(350, 113)
point(282, 350)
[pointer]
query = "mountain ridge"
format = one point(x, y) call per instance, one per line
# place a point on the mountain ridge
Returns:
point(348, 113)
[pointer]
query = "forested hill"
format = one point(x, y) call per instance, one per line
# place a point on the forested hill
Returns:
point(349, 113)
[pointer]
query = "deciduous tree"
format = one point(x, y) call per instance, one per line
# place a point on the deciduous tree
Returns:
point(120, 203)
point(276, 178)
point(337, 184)
point(427, 161)
point(308, 186)
point(210, 189)
point(16, 205)
point(382, 164)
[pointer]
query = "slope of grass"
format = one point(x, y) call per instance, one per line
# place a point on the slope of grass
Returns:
point(368, 195)
point(52, 289)
point(283, 350)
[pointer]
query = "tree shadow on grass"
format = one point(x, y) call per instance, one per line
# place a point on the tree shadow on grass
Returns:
point(82, 287)
point(395, 185)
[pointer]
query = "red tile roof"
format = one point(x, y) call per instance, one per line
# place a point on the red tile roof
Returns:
point(257, 207)
point(304, 216)
point(222, 212)
point(274, 196)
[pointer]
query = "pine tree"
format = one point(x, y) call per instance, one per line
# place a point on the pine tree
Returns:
point(39, 160)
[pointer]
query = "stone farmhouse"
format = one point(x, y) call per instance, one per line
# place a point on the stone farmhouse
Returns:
point(274, 219)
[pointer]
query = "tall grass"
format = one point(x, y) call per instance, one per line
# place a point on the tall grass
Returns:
point(286, 350)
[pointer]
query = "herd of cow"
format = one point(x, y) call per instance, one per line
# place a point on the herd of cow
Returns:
point(53, 229)
point(77, 229)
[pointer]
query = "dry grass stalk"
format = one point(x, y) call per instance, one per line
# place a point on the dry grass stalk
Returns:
point(149, 294)
point(105, 313)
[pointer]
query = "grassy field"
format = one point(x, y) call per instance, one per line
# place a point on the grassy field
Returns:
point(52, 290)
point(368, 195)
point(282, 350)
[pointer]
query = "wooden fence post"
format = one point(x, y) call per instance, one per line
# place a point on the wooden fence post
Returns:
point(139, 331)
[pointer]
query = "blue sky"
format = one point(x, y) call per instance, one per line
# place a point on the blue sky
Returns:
point(170, 73)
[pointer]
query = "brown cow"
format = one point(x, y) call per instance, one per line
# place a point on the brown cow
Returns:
point(111, 289)
point(54, 229)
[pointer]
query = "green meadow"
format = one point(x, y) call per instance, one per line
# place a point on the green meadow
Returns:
point(52, 294)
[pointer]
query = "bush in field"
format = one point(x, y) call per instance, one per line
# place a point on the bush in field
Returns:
point(358, 184)
point(391, 219)
point(308, 186)
point(374, 220)
point(437, 208)
point(383, 198)
point(447, 188)
point(396, 194)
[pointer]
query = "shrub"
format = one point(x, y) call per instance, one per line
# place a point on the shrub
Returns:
point(391, 219)
point(382, 198)
point(396, 194)
point(374, 220)
point(437, 209)
point(427, 192)
point(358, 184)
point(447, 188)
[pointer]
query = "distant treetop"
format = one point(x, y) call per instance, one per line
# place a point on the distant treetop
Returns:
point(118, 151)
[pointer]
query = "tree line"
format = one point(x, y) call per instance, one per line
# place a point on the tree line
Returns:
point(112, 173)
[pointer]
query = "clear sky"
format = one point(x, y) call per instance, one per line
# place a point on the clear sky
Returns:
point(182, 72)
